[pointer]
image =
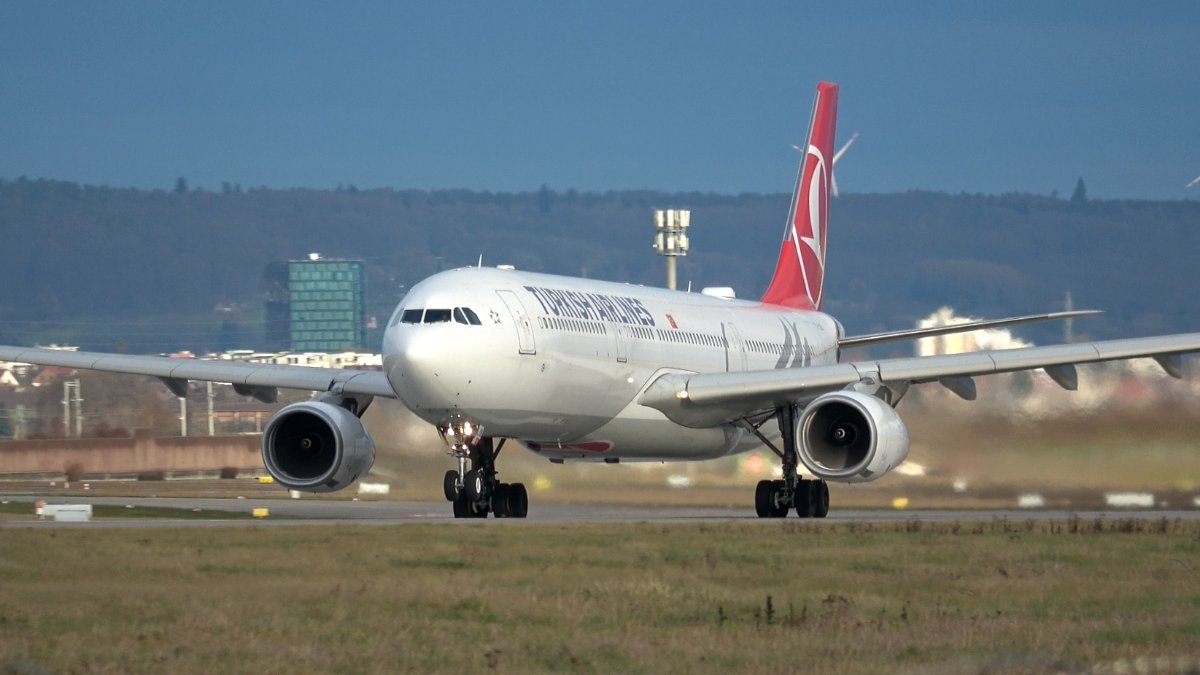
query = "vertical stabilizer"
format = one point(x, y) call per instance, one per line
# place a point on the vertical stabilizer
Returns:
point(800, 273)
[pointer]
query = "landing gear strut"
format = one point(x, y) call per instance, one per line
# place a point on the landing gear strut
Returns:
point(476, 492)
point(774, 498)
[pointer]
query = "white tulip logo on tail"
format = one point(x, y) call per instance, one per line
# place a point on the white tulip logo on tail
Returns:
point(810, 231)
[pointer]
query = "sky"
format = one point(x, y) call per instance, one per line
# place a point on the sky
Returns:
point(677, 96)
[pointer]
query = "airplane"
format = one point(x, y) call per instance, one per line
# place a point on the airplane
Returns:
point(579, 369)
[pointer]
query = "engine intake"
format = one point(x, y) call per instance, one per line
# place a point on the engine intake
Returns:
point(316, 447)
point(850, 437)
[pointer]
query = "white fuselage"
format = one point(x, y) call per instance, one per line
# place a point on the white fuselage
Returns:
point(559, 363)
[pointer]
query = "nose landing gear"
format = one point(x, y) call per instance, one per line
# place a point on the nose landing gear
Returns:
point(476, 491)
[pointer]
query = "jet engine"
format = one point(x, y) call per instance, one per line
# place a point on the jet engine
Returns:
point(850, 437)
point(317, 447)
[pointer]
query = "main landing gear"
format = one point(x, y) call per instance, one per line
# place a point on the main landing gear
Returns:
point(476, 492)
point(774, 498)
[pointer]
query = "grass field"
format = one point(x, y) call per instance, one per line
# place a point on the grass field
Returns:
point(914, 597)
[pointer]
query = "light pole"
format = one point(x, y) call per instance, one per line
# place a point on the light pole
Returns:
point(670, 237)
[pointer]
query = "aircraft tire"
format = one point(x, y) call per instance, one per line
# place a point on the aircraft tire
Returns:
point(806, 498)
point(450, 485)
point(518, 501)
point(763, 502)
point(821, 490)
point(462, 508)
point(473, 485)
point(500, 500)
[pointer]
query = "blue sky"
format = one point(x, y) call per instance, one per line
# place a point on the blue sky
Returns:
point(977, 97)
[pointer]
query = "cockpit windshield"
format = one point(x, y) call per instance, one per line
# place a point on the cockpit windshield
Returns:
point(463, 315)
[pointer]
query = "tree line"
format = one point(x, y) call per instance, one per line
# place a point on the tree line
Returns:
point(156, 270)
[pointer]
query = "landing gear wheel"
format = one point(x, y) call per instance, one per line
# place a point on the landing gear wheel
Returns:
point(763, 499)
point(821, 501)
point(500, 500)
point(518, 501)
point(478, 510)
point(806, 494)
point(769, 501)
point(473, 485)
point(462, 508)
point(450, 485)
point(779, 505)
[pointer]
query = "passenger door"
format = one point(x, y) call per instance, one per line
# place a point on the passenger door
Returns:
point(521, 320)
point(735, 350)
point(622, 342)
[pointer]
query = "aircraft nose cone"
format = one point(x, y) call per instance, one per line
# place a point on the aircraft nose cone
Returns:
point(420, 369)
point(414, 350)
point(416, 355)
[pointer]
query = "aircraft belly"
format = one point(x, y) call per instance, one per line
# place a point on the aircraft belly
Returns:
point(639, 434)
point(644, 440)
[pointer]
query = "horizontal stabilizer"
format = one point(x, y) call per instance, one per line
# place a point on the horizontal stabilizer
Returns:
point(917, 333)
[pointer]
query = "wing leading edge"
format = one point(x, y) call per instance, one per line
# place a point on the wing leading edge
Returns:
point(253, 379)
point(701, 400)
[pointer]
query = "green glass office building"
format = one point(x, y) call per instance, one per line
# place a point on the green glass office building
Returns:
point(322, 302)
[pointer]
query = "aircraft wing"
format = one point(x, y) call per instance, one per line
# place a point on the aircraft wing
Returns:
point(251, 379)
point(915, 333)
point(708, 399)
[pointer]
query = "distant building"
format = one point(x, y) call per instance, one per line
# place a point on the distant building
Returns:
point(315, 305)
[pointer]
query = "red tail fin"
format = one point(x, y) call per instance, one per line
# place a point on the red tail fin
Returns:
point(800, 272)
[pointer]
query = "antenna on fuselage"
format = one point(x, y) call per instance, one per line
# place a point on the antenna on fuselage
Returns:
point(480, 260)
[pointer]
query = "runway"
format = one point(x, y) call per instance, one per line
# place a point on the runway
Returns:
point(293, 512)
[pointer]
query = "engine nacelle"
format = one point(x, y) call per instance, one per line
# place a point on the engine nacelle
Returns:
point(850, 437)
point(316, 447)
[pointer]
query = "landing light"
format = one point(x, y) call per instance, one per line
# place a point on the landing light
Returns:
point(460, 433)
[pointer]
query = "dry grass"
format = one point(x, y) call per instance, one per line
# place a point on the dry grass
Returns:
point(509, 597)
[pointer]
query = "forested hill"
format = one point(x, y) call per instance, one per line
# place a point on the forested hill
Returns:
point(157, 270)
